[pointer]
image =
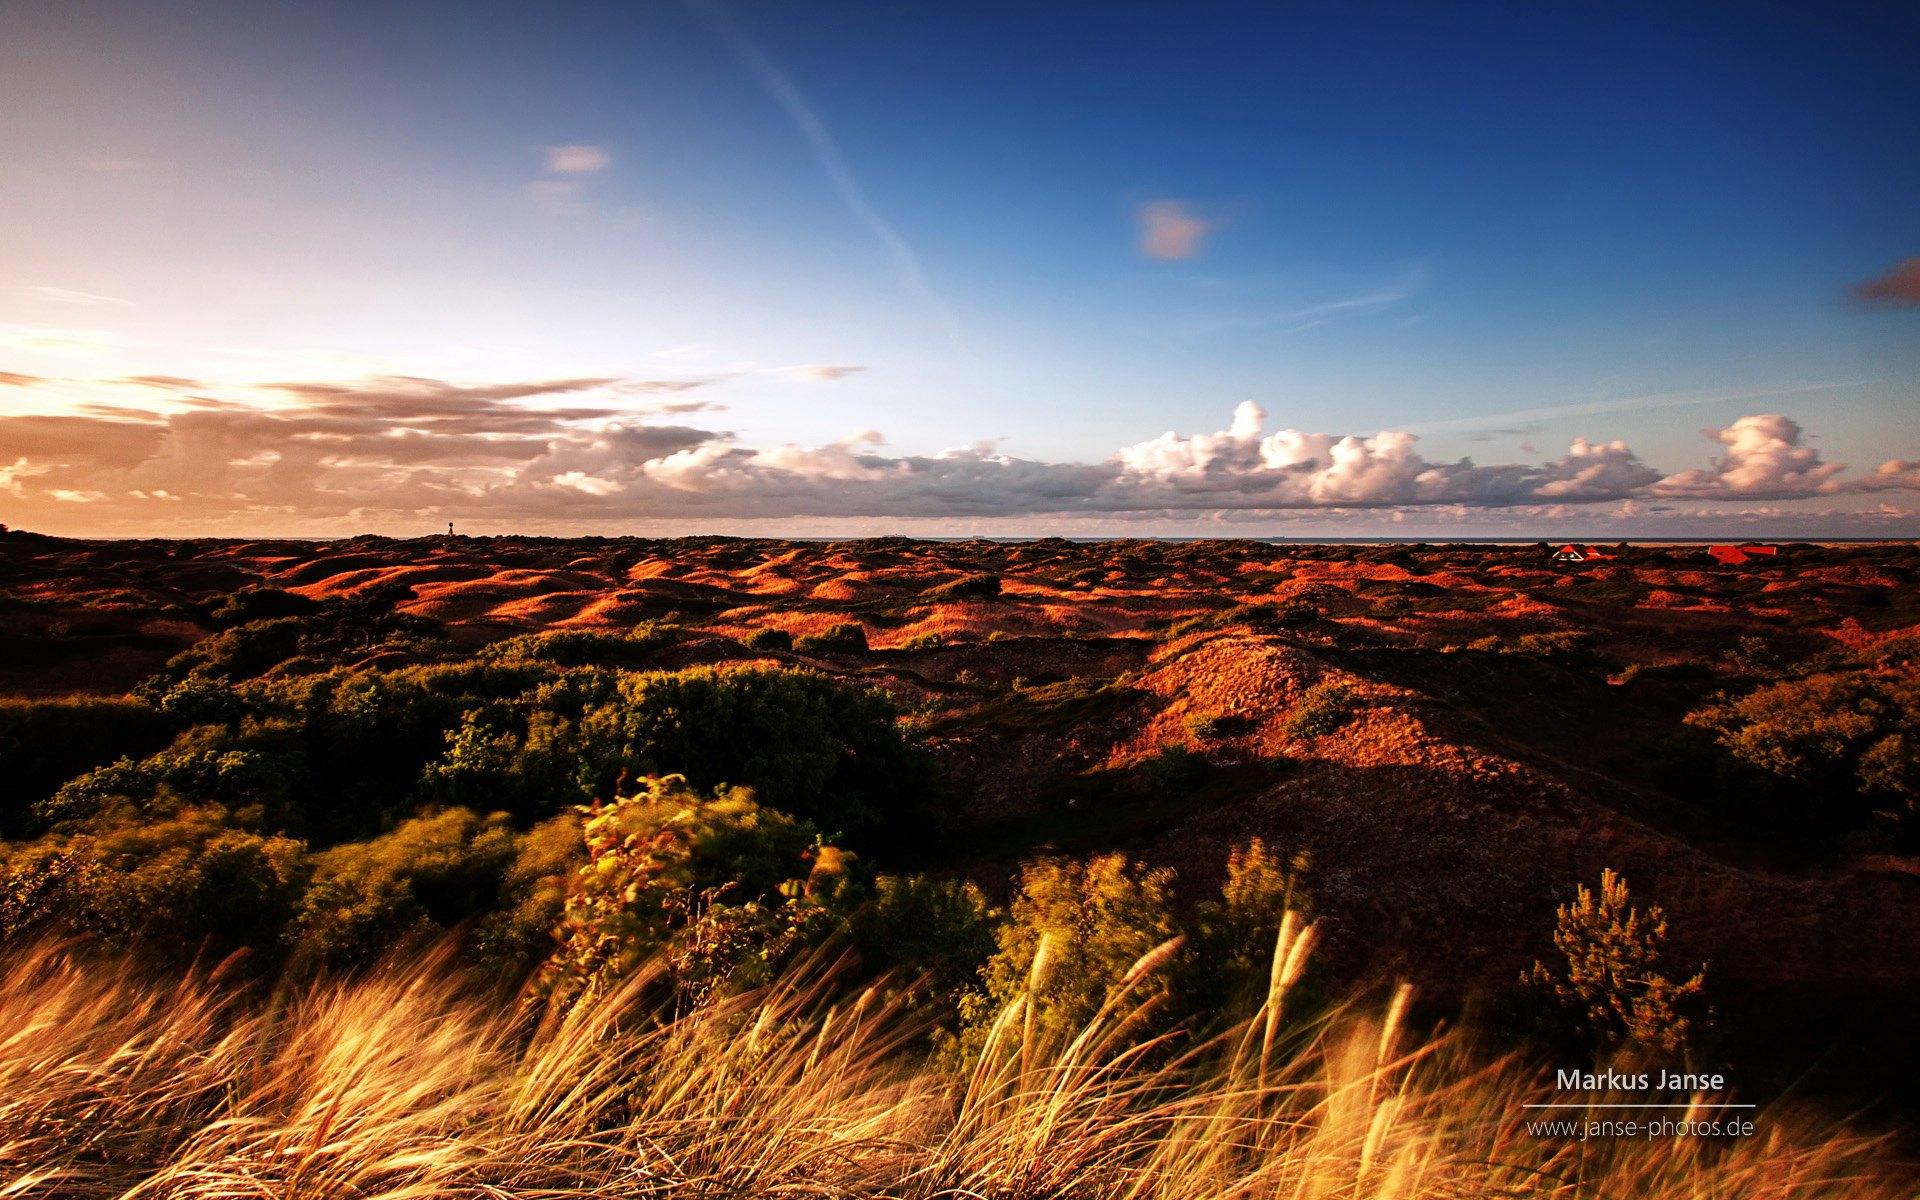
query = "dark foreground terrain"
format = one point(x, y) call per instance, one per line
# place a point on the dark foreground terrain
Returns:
point(318, 751)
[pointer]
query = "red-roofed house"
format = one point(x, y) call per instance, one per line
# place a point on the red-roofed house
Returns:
point(1733, 556)
point(1574, 552)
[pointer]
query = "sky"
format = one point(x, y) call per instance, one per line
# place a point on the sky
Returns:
point(1027, 269)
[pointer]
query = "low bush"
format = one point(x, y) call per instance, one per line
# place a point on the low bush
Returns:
point(1322, 708)
point(721, 886)
point(585, 647)
point(44, 743)
point(1608, 981)
point(969, 587)
point(402, 889)
point(1211, 728)
point(1848, 740)
point(1173, 769)
point(1079, 933)
point(768, 638)
point(845, 636)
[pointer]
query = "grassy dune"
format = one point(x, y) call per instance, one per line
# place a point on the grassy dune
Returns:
point(408, 1083)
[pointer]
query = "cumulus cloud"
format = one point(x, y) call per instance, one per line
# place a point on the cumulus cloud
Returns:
point(1892, 476)
point(1898, 288)
point(576, 159)
point(13, 476)
point(1170, 230)
point(544, 452)
point(1296, 469)
point(1765, 460)
point(592, 485)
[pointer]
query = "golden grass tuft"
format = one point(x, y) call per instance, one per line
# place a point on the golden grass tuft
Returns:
point(406, 1085)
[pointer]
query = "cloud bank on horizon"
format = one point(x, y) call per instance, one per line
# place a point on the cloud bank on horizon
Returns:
point(608, 453)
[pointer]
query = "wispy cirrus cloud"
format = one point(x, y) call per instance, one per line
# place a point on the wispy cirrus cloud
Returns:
point(56, 340)
point(165, 383)
point(60, 295)
point(780, 87)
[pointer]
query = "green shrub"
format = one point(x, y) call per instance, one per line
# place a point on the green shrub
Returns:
point(845, 636)
point(402, 888)
point(1211, 728)
point(1174, 769)
point(769, 638)
point(519, 933)
point(1609, 981)
point(255, 785)
point(1236, 938)
point(804, 743)
point(1560, 643)
point(1071, 936)
point(1848, 737)
point(44, 743)
point(262, 604)
point(657, 634)
point(585, 647)
point(1323, 708)
point(969, 587)
point(1098, 919)
point(723, 888)
point(179, 883)
point(335, 631)
point(924, 641)
point(939, 931)
point(1298, 612)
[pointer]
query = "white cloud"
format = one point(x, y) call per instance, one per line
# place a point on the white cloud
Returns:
point(821, 372)
point(1765, 460)
point(1296, 469)
point(592, 485)
point(576, 159)
point(522, 453)
point(1890, 476)
point(1170, 230)
point(13, 477)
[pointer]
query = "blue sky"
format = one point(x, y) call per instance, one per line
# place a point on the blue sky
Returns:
point(1064, 228)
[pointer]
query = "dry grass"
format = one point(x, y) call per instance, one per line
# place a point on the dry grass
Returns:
point(405, 1085)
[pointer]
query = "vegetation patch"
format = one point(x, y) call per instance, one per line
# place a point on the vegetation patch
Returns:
point(969, 587)
point(844, 637)
point(1322, 708)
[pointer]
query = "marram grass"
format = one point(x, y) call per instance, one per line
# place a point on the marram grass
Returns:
point(407, 1084)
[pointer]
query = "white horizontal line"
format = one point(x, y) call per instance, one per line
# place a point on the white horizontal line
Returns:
point(1641, 1106)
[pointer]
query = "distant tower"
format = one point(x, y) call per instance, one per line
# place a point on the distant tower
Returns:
point(449, 528)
